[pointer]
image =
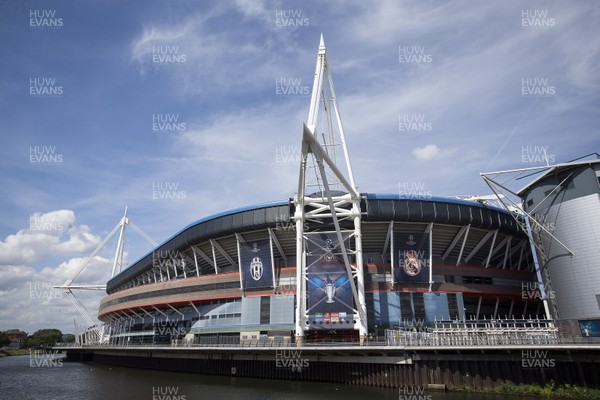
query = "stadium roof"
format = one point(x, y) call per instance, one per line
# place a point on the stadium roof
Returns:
point(552, 169)
point(380, 207)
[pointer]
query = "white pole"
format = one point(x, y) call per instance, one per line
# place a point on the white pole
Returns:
point(430, 257)
point(272, 257)
point(363, 330)
point(238, 239)
point(536, 264)
point(300, 293)
point(119, 252)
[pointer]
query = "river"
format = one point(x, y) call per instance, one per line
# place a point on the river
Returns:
point(24, 378)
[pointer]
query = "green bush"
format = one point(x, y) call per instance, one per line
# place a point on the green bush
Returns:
point(550, 390)
point(44, 338)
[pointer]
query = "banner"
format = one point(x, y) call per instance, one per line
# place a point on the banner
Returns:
point(330, 303)
point(255, 261)
point(412, 257)
point(590, 328)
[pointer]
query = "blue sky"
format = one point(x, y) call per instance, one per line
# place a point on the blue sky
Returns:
point(493, 83)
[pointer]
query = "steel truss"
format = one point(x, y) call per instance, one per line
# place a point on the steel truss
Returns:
point(95, 332)
point(527, 221)
point(327, 206)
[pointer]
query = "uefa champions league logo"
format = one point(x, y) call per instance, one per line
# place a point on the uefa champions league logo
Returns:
point(328, 256)
point(256, 266)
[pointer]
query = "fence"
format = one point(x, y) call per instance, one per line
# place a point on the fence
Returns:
point(443, 333)
point(493, 332)
point(392, 340)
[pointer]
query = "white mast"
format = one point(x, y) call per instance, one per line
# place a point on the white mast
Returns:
point(319, 145)
point(96, 330)
point(120, 245)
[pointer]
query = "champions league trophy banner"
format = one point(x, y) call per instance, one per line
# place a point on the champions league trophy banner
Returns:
point(412, 257)
point(329, 304)
point(256, 264)
point(590, 328)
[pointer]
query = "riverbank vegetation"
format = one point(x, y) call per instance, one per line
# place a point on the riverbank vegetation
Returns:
point(15, 342)
point(550, 390)
point(14, 352)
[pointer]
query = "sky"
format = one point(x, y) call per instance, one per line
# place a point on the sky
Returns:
point(179, 110)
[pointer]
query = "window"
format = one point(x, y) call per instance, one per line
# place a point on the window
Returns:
point(478, 280)
point(419, 304)
point(405, 306)
point(265, 310)
point(452, 305)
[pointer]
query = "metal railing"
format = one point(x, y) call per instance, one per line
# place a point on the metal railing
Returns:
point(465, 333)
point(429, 339)
point(484, 333)
point(398, 341)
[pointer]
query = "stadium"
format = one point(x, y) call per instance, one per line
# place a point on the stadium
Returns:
point(191, 286)
point(341, 286)
point(334, 264)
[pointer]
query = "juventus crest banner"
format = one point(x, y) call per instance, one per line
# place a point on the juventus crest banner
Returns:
point(255, 261)
point(412, 257)
point(330, 303)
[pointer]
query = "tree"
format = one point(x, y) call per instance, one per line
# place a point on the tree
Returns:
point(44, 338)
point(4, 340)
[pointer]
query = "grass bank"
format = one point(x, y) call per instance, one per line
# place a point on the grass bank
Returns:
point(550, 390)
point(20, 352)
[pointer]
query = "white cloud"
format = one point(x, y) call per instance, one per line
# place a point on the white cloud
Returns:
point(213, 61)
point(176, 37)
point(31, 303)
point(239, 154)
point(426, 153)
point(48, 233)
point(27, 291)
point(254, 9)
point(244, 58)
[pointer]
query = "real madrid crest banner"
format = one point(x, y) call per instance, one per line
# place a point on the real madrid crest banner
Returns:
point(329, 303)
point(256, 264)
point(411, 258)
